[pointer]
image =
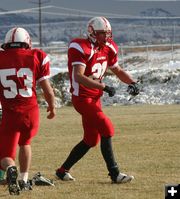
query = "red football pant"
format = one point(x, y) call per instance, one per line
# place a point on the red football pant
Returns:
point(95, 122)
point(17, 128)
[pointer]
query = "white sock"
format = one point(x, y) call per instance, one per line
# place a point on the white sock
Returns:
point(23, 176)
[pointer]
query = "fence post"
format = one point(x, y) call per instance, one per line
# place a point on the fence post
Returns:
point(122, 56)
point(147, 52)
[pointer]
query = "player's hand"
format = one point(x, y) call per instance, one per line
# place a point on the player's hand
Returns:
point(133, 89)
point(52, 113)
point(110, 90)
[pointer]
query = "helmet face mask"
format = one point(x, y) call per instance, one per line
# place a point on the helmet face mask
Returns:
point(17, 38)
point(98, 26)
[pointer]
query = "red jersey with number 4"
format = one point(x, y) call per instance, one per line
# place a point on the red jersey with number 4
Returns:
point(19, 71)
point(95, 61)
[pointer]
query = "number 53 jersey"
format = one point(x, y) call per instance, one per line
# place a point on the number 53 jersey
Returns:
point(95, 60)
point(20, 69)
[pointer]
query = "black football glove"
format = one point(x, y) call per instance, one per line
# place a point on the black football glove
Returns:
point(133, 89)
point(110, 90)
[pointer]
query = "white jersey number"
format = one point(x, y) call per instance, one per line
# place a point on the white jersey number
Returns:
point(99, 70)
point(10, 87)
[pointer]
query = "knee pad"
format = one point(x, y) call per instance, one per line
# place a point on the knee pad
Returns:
point(92, 141)
point(105, 126)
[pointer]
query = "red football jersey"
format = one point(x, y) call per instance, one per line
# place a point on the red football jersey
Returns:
point(19, 71)
point(95, 61)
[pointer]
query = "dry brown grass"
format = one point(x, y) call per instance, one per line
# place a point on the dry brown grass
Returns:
point(146, 145)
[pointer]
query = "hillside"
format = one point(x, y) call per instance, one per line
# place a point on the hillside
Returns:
point(158, 73)
point(152, 26)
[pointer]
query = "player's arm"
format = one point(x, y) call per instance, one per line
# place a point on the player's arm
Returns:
point(122, 75)
point(84, 80)
point(133, 88)
point(49, 97)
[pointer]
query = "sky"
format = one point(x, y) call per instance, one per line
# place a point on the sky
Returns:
point(120, 7)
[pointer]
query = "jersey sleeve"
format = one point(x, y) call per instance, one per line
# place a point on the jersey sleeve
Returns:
point(76, 54)
point(113, 55)
point(43, 66)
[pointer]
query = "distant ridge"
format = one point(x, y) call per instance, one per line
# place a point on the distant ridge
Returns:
point(156, 12)
point(128, 31)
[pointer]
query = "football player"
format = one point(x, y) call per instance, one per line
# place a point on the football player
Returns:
point(20, 68)
point(88, 60)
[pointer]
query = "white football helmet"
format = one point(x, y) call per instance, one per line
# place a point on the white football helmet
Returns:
point(96, 25)
point(17, 35)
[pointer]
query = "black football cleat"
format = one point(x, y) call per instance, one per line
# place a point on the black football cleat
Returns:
point(25, 186)
point(13, 185)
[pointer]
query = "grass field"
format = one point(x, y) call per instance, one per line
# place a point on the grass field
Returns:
point(146, 145)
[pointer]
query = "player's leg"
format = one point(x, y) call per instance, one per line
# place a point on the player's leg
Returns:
point(106, 130)
point(91, 138)
point(24, 161)
point(112, 166)
point(29, 129)
point(75, 155)
point(8, 142)
point(2, 172)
